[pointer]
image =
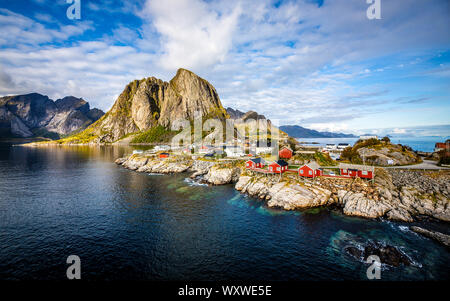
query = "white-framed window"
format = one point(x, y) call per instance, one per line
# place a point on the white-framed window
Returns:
point(278, 169)
point(365, 173)
point(310, 173)
point(301, 171)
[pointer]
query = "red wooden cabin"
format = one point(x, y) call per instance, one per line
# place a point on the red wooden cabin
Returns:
point(285, 153)
point(164, 155)
point(353, 170)
point(255, 163)
point(279, 166)
point(310, 170)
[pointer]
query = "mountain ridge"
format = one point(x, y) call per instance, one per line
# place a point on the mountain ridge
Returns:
point(34, 114)
point(151, 102)
point(301, 132)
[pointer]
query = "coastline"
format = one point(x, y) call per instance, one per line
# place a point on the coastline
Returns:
point(396, 195)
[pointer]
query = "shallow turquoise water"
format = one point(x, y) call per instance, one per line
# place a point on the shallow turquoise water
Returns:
point(55, 202)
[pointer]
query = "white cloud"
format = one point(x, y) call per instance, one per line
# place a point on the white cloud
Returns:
point(296, 62)
point(193, 35)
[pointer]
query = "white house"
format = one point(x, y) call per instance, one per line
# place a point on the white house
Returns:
point(342, 146)
point(263, 150)
point(234, 151)
point(161, 148)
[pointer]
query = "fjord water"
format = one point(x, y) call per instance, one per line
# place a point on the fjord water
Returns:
point(61, 201)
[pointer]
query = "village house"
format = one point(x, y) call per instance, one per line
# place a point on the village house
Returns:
point(234, 151)
point(310, 170)
point(342, 146)
point(205, 149)
point(355, 170)
point(279, 166)
point(158, 148)
point(255, 163)
point(164, 155)
point(263, 150)
point(441, 146)
point(285, 153)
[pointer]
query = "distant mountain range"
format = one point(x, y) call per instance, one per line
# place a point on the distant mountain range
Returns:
point(297, 131)
point(33, 115)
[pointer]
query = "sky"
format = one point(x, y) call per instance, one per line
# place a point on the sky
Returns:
point(320, 64)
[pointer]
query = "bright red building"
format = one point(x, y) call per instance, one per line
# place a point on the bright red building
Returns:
point(164, 155)
point(310, 170)
point(278, 167)
point(255, 163)
point(285, 153)
point(354, 170)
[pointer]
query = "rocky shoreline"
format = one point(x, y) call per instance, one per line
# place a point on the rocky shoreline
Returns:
point(395, 195)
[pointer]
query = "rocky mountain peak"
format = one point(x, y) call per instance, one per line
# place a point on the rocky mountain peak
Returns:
point(149, 102)
point(72, 103)
point(35, 114)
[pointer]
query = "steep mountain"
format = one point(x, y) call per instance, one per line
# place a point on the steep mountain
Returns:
point(150, 102)
point(37, 115)
point(301, 132)
point(236, 114)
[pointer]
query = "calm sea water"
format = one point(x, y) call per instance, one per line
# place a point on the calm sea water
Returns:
point(55, 202)
point(423, 144)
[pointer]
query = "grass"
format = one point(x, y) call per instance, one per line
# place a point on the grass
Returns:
point(84, 137)
point(324, 159)
point(155, 134)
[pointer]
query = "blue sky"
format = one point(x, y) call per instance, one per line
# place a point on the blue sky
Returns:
point(319, 64)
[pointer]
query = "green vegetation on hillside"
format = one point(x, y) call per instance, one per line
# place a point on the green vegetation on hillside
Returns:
point(324, 159)
point(42, 132)
point(351, 153)
point(155, 134)
point(84, 137)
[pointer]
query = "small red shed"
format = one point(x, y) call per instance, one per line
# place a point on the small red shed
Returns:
point(164, 155)
point(255, 163)
point(285, 153)
point(310, 170)
point(279, 166)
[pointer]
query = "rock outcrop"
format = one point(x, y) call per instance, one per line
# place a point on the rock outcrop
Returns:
point(389, 255)
point(220, 176)
point(150, 102)
point(439, 237)
point(37, 115)
point(404, 198)
point(392, 155)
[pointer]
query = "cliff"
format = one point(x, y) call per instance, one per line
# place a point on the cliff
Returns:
point(37, 115)
point(150, 102)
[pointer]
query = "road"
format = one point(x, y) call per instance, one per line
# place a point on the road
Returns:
point(426, 164)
